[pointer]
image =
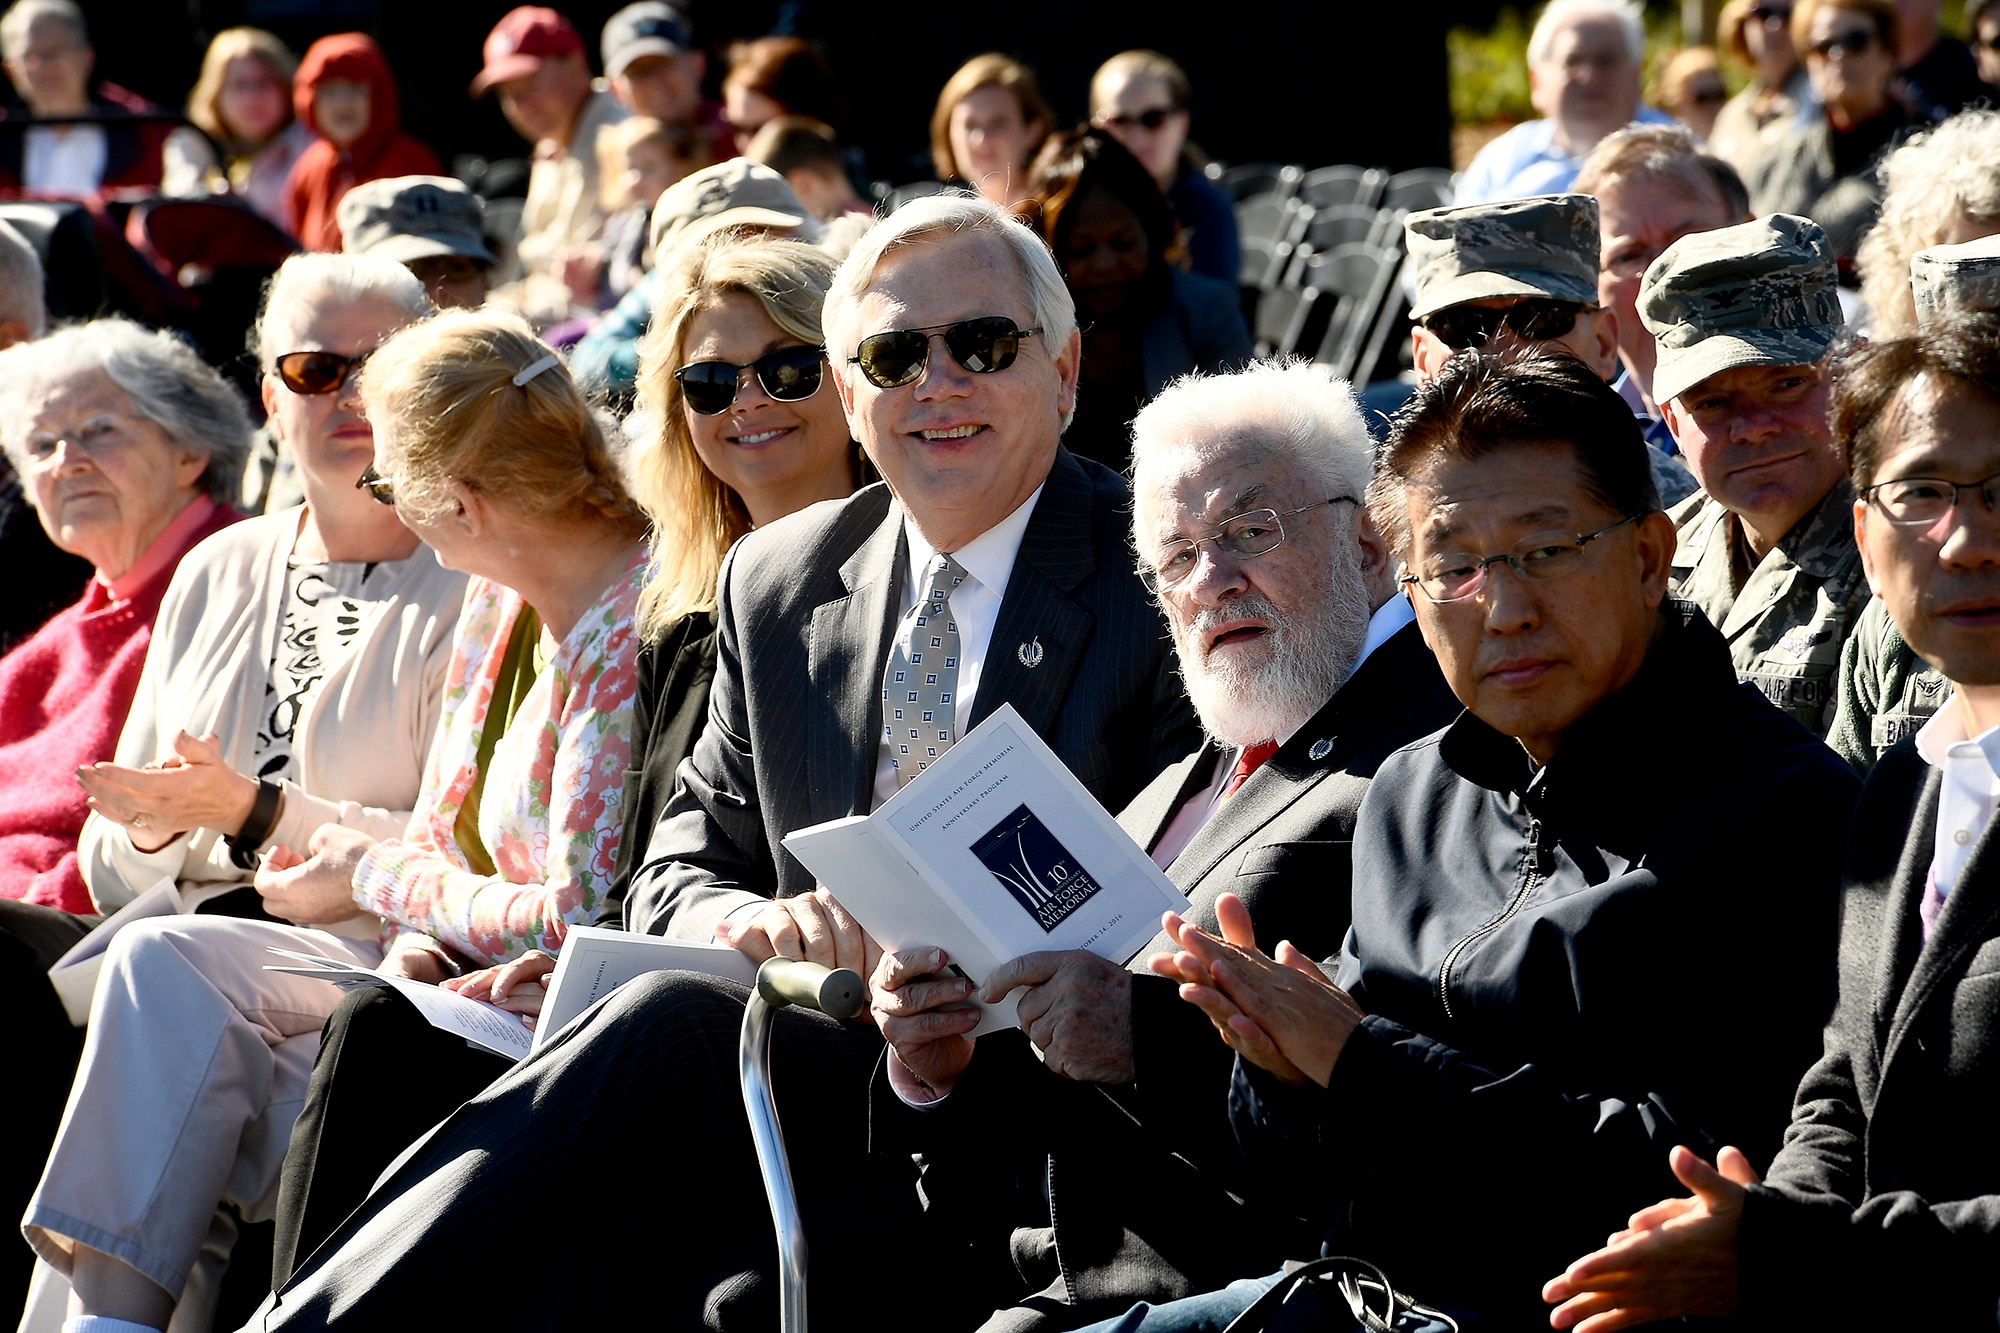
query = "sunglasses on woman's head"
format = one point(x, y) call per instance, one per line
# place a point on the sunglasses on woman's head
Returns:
point(1536, 319)
point(789, 375)
point(318, 372)
point(983, 346)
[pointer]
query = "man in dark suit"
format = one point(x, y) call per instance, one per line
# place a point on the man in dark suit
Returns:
point(1883, 1207)
point(955, 351)
point(1307, 672)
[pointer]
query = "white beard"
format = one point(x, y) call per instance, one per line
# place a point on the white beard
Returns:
point(1310, 655)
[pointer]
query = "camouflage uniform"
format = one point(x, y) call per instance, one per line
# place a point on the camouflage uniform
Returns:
point(1886, 691)
point(1786, 625)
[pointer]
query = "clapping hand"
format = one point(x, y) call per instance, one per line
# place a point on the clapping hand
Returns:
point(1281, 1014)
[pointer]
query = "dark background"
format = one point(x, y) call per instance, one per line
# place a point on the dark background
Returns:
point(1316, 83)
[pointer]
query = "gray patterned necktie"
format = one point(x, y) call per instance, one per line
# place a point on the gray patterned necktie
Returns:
point(920, 687)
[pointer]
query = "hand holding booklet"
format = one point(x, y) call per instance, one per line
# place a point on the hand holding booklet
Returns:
point(994, 851)
point(483, 1025)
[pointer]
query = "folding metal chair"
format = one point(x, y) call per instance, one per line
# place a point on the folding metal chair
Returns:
point(1330, 186)
point(1420, 187)
point(1358, 277)
point(1247, 180)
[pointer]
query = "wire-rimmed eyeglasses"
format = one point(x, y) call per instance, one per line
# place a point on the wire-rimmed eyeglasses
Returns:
point(1257, 532)
point(1454, 576)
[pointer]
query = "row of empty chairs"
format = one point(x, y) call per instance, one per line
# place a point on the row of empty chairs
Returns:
point(1322, 251)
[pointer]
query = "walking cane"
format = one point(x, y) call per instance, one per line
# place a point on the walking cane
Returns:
point(837, 994)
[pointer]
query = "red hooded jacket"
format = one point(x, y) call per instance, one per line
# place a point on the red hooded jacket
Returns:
point(324, 173)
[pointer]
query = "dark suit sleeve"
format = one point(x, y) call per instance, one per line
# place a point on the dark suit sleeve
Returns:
point(708, 854)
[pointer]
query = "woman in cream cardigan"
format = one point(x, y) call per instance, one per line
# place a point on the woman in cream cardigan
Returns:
point(293, 681)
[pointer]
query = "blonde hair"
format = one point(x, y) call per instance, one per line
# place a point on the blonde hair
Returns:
point(695, 516)
point(449, 402)
point(204, 104)
point(1141, 64)
point(614, 141)
point(1926, 183)
point(991, 70)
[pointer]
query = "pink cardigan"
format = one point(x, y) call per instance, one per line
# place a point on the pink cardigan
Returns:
point(63, 699)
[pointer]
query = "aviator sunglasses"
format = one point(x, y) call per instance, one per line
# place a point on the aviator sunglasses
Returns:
point(788, 375)
point(318, 372)
point(1535, 320)
point(983, 346)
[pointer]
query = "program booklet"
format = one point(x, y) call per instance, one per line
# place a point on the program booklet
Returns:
point(994, 851)
point(595, 961)
point(484, 1025)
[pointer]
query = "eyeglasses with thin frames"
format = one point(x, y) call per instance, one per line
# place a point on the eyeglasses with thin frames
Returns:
point(1245, 536)
point(1918, 502)
point(1458, 575)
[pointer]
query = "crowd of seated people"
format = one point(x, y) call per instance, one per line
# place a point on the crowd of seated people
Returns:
point(1580, 780)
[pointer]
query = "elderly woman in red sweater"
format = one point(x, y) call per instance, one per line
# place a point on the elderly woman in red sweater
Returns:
point(345, 92)
point(129, 448)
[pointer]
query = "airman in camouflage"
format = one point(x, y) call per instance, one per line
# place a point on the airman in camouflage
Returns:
point(1744, 317)
point(1513, 273)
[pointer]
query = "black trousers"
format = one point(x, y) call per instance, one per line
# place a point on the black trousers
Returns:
point(45, 1050)
point(613, 1175)
point(383, 1076)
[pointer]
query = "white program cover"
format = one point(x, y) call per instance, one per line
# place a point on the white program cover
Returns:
point(994, 851)
point(595, 961)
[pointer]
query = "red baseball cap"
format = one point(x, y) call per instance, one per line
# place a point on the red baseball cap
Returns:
point(521, 41)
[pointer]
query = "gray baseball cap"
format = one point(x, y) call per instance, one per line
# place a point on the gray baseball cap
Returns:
point(1760, 293)
point(1541, 246)
point(645, 29)
point(736, 193)
point(1949, 278)
point(406, 218)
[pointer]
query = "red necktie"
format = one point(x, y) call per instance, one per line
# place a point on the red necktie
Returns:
point(1248, 762)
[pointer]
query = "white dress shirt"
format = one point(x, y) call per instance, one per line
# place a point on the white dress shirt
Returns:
point(1968, 796)
point(63, 159)
point(988, 561)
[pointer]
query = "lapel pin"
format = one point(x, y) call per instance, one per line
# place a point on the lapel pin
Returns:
point(1030, 653)
point(1320, 749)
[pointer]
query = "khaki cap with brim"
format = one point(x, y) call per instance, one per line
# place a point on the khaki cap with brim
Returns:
point(406, 218)
point(736, 193)
point(1545, 245)
point(1761, 293)
point(1948, 279)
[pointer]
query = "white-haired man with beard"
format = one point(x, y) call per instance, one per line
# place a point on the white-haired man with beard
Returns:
point(1307, 672)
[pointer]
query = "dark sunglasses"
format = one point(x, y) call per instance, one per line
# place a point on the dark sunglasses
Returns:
point(788, 375)
point(1536, 320)
point(1771, 16)
point(983, 346)
point(1852, 43)
point(379, 487)
point(1150, 119)
point(318, 372)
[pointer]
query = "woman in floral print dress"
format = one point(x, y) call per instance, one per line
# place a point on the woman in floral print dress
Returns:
point(493, 458)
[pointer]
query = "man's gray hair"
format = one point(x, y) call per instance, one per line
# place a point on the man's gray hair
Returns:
point(1630, 17)
point(1302, 409)
point(21, 14)
point(166, 383)
point(952, 212)
point(308, 279)
point(21, 283)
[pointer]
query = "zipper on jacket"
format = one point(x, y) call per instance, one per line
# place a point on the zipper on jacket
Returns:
point(1534, 877)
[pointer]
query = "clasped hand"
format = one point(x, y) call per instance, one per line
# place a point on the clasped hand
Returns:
point(809, 927)
point(1281, 1014)
point(318, 889)
point(189, 789)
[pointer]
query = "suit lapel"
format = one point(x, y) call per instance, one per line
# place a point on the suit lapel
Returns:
point(1040, 633)
point(1146, 819)
point(1965, 922)
point(849, 646)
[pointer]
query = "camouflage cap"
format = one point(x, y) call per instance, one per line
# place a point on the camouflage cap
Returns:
point(1761, 293)
point(1541, 246)
point(407, 218)
point(1956, 277)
